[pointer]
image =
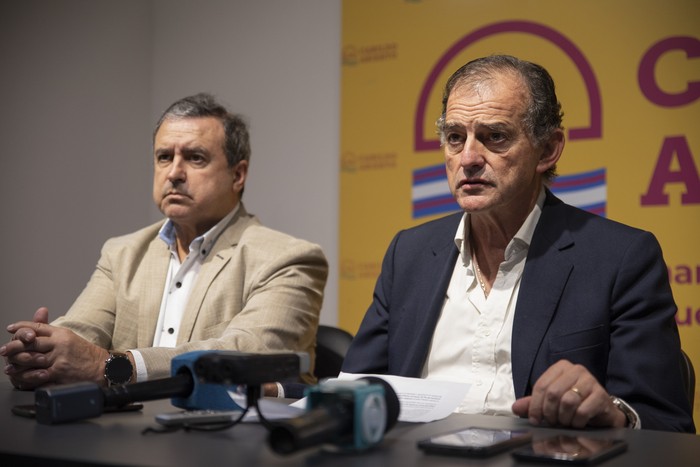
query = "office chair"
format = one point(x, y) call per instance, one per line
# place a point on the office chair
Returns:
point(688, 377)
point(331, 346)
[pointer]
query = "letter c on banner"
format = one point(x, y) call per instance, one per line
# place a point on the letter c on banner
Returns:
point(647, 80)
point(594, 128)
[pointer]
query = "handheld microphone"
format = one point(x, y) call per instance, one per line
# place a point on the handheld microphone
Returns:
point(188, 390)
point(342, 415)
point(78, 401)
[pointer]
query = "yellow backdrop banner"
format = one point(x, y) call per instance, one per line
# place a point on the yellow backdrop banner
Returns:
point(628, 77)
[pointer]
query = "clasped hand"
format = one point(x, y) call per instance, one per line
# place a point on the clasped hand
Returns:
point(569, 395)
point(40, 354)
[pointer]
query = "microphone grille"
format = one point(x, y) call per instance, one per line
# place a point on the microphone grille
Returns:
point(393, 407)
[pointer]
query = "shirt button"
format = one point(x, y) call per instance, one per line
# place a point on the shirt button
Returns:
point(178, 284)
point(171, 331)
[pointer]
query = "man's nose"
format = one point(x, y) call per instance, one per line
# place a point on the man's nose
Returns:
point(177, 172)
point(472, 154)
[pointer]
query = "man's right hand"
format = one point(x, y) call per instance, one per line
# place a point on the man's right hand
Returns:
point(40, 354)
point(23, 341)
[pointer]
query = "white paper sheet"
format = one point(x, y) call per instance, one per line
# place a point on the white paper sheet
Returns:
point(420, 400)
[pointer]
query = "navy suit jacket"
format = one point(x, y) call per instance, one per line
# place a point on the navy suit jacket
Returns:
point(593, 291)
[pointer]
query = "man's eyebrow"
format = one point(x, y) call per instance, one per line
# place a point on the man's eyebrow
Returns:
point(451, 126)
point(188, 151)
point(496, 126)
point(456, 126)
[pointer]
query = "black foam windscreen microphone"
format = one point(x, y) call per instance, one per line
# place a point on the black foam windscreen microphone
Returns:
point(343, 415)
point(70, 402)
point(233, 367)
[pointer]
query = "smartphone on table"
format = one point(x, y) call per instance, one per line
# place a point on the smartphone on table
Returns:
point(475, 441)
point(197, 417)
point(570, 449)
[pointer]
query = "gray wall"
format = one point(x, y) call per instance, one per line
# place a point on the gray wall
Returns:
point(81, 85)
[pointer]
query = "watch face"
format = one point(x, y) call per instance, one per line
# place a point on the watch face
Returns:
point(118, 369)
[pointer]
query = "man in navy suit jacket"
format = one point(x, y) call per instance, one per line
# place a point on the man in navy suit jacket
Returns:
point(556, 314)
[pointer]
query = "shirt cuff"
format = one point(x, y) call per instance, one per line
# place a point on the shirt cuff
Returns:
point(141, 372)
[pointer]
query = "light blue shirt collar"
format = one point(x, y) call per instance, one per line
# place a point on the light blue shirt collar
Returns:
point(204, 242)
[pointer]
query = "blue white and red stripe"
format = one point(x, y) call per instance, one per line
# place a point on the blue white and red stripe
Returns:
point(586, 190)
point(431, 195)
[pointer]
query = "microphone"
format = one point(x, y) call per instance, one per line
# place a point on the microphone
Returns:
point(78, 401)
point(187, 388)
point(343, 415)
point(228, 367)
point(218, 372)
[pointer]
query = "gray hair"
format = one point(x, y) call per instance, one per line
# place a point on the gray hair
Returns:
point(237, 140)
point(543, 115)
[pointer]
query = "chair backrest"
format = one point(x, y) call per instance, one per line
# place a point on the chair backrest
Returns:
point(688, 377)
point(331, 346)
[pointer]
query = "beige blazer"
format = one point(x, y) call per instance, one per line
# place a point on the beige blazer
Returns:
point(258, 290)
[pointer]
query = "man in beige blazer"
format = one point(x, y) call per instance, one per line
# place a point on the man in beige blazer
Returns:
point(210, 277)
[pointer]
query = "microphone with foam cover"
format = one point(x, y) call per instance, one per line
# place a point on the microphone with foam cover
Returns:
point(341, 415)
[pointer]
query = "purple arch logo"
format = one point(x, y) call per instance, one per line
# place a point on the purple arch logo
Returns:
point(595, 125)
point(430, 194)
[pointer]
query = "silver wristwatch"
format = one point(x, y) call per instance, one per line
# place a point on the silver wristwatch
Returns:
point(630, 414)
point(118, 369)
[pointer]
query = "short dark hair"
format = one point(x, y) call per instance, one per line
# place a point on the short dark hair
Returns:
point(543, 115)
point(237, 139)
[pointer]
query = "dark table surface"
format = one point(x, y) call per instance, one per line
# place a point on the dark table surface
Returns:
point(117, 439)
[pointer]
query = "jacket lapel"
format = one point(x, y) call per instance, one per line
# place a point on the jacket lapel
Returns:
point(544, 278)
point(156, 264)
point(217, 259)
point(439, 264)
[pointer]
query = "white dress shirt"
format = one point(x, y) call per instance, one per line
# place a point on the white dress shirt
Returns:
point(178, 284)
point(472, 339)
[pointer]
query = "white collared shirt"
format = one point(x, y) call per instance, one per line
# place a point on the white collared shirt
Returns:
point(178, 284)
point(472, 339)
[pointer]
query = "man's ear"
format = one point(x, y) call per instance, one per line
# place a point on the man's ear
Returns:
point(240, 173)
point(551, 151)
